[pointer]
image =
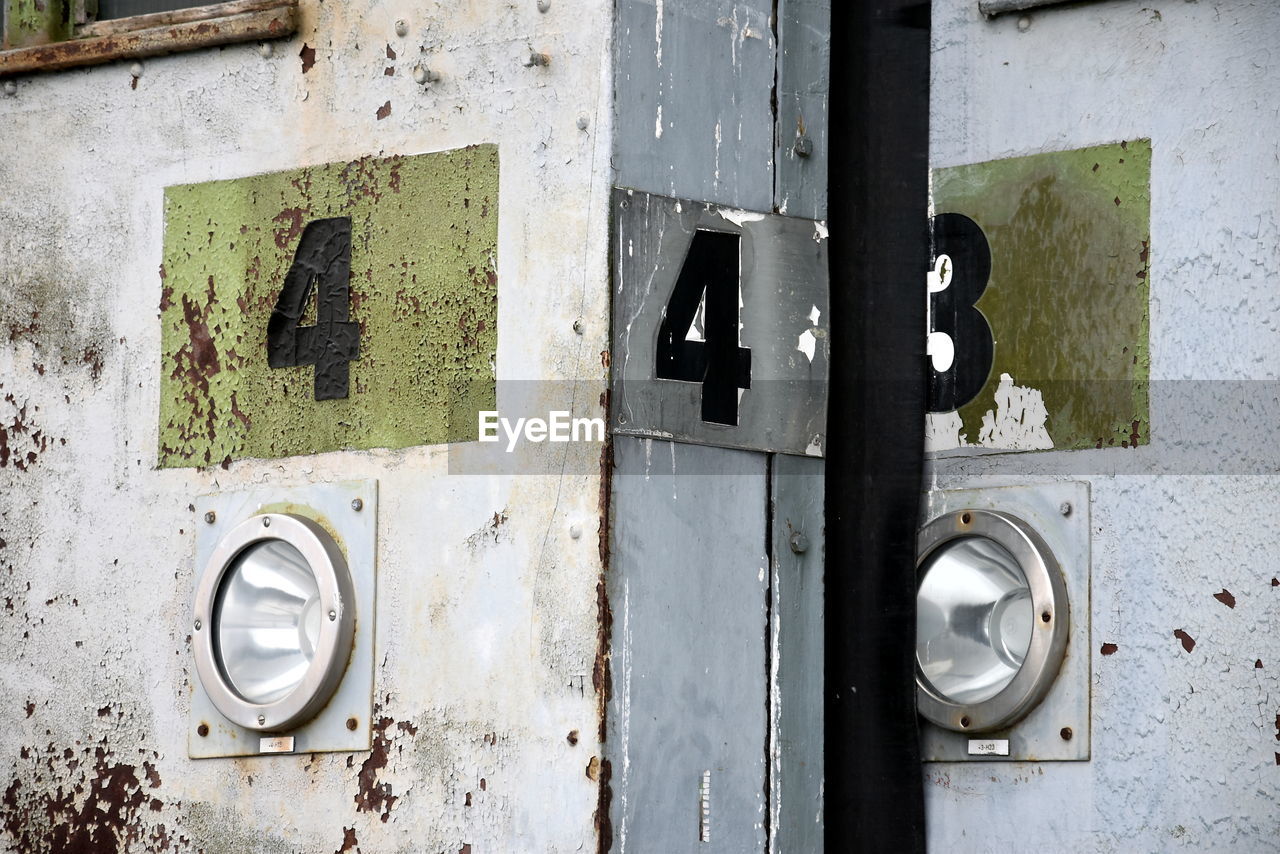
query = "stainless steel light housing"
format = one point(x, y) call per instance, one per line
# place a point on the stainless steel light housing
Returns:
point(274, 622)
point(992, 620)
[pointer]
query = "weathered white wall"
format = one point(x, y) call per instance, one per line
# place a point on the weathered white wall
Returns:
point(1185, 750)
point(486, 624)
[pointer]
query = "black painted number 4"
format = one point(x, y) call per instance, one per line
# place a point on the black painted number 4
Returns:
point(706, 294)
point(322, 263)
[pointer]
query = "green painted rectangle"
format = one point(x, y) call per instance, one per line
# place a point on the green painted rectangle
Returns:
point(423, 291)
point(1067, 297)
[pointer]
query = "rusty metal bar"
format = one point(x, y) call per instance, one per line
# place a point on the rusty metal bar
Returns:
point(161, 33)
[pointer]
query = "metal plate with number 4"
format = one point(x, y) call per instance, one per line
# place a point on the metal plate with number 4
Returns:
point(720, 325)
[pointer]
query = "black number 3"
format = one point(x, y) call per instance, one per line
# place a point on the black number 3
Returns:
point(962, 265)
point(322, 261)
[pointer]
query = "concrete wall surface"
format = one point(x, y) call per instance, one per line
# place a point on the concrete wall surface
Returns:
point(485, 718)
point(1184, 741)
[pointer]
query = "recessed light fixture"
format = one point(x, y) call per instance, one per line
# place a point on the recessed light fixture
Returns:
point(1002, 624)
point(991, 620)
point(282, 620)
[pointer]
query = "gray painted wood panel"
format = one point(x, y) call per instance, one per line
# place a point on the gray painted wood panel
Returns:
point(804, 60)
point(688, 587)
point(694, 88)
point(796, 708)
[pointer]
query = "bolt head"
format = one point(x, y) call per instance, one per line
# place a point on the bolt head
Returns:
point(583, 122)
point(265, 50)
point(357, 504)
point(578, 327)
point(1065, 508)
point(135, 70)
point(266, 521)
point(333, 615)
point(544, 5)
point(402, 29)
point(210, 517)
point(803, 146)
point(799, 543)
point(575, 531)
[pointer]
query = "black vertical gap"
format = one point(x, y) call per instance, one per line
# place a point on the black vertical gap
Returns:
point(769, 511)
point(879, 252)
point(776, 25)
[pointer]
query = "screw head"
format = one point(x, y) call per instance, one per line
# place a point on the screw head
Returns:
point(333, 615)
point(578, 326)
point(583, 121)
point(1066, 733)
point(135, 70)
point(803, 146)
point(357, 504)
point(202, 730)
point(1024, 23)
point(575, 531)
point(1065, 508)
point(402, 29)
point(352, 723)
point(266, 521)
point(210, 517)
point(544, 5)
point(197, 625)
point(262, 719)
point(799, 543)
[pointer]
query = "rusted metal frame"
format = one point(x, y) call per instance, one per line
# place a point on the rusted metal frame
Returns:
point(153, 35)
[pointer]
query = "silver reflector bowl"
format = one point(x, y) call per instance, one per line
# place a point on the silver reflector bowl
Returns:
point(266, 621)
point(991, 620)
point(973, 620)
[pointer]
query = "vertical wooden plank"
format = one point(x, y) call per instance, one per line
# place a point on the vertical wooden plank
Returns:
point(804, 77)
point(796, 618)
point(688, 592)
point(694, 84)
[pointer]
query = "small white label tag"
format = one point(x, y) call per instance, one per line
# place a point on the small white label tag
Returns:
point(989, 747)
point(284, 744)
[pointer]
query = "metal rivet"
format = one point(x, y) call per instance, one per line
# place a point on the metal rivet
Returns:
point(1065, 508)
point(10, 88)
point(210, 516)
point(803, 146)
point(583, 122)
point(135, 70)
point(197, 625)
point(575, 531)
point(265, 50)
point(1066, 733)
point(799, 543)
point(964, 722)
point(357, 504)
point(266, 521)
point(544, 5)
point(1024, 23)
point(352, 723)
point(333, 615)
point(262, 719)
point(402, 29)
point(202, 730)
point(578, 327)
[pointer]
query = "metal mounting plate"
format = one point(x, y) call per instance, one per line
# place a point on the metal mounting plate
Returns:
point(1037, 737)
point(332, 506)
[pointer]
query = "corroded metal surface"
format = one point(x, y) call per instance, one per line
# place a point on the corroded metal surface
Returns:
point(423, 291)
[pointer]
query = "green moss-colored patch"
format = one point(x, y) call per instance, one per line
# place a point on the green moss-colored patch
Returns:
point(423, 290)
point(1067, 300)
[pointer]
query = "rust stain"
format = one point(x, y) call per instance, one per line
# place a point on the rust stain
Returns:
point(1225, 598)
point(308, 55)
point(391, 54)
point(603, 823)
point(291, 221)
point(373, 796)
point(1109, 649)
point(384, 111)
point(1188, 642)
point(349, 841)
